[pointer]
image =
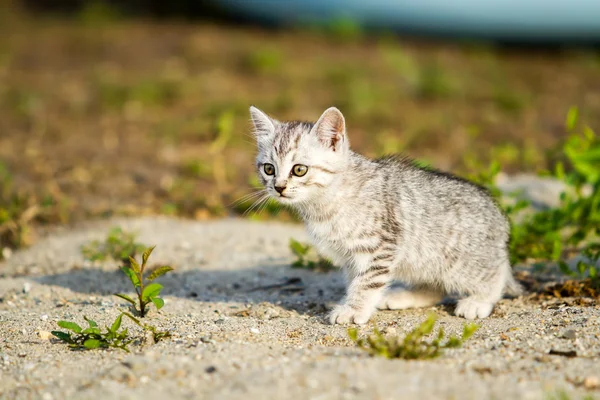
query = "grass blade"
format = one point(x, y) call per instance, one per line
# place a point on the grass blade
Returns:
point(92, 323)
point(160, 271)
point(92, 343)
point(125, 297)
point(132, 276)
point(158, 302)
point(152, 290)
point(134, 264)
point(146, 254)
point(72, 326)
point(65, 337)
point(131, 317)
point(91, 331)
point(117, 324)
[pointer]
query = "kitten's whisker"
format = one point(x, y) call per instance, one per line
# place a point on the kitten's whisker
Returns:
point(264, 205)
point(247, 197)
point(255, 205)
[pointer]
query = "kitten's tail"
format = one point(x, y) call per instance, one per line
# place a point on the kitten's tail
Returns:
point(512, 287)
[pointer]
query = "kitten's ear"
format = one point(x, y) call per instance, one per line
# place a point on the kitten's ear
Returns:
point(264, 126)
point(331, 129)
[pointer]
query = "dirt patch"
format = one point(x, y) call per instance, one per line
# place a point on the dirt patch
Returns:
point(139, 117)
point(240, 331)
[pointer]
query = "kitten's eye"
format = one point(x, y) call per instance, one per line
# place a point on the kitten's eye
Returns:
point(299, 170)
point(269, 169)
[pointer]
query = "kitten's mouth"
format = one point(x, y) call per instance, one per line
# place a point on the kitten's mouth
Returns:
point(283, 197)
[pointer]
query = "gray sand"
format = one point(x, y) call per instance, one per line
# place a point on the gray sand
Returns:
point(247, 325)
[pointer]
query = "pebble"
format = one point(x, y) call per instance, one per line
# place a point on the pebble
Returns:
point(211, 369)
point(591, 382)
point(6, 253)
point(569, 334)
point(44, 335)
point(255, 331)
point(44, 317)
point(26, 287)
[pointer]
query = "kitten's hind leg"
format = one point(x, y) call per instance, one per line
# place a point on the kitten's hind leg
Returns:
point(474, 307)
point(483, 295)
point(401, 299)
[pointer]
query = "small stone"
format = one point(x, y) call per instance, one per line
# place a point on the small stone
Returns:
point(220, 321)
point(144, 379)
point(255, 331)
point(44, 317)
point(206, 339)
point(29, 366)
point(22, 355)
point(591, 382)
point(26, 287)
point(211, 369)
point(389, 330)
point(6, 253)
point(44, 335)
point(569, 334)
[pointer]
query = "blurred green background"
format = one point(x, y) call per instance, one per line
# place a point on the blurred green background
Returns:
point(140, 107)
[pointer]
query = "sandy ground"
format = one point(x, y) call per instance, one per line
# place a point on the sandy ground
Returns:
point(247, 325)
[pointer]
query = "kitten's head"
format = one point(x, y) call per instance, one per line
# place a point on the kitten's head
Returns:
point(297, 161)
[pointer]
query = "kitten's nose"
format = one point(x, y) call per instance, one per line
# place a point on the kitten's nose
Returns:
point(280, 189)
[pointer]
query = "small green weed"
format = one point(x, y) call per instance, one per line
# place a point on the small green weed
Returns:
point(92, 337)
point(17, 211)
point(434, 82)
point(119, 246)
point(557, 234)
point(562, 395)
point(146, 293)
point(306, 258)
point(414, 346)
point(263, 61)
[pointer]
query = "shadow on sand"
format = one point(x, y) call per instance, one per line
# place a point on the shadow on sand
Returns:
point(294, 289)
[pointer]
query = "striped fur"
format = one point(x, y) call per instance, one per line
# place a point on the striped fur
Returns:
point(386, 220)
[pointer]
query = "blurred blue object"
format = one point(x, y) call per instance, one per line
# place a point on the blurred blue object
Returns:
point(544, 20)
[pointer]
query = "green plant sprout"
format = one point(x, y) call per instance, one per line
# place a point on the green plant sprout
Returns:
point(146, 293)
point(119, 245)
point(93, 338)
point(557, 234)
point(414, 346)
point(306, 259)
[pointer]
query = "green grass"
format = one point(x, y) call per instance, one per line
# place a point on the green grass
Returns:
point(306, 258)
point(119, 245)
point(414, 345)
point(141, 278)
point(572, 228)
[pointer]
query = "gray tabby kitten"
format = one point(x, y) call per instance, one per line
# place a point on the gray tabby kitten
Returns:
point(386, 219)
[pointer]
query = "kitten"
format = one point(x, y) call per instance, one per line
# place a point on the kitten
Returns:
point(386, 219)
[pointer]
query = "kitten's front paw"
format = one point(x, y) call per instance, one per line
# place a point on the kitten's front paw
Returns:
point(344, 314)
point(471, 308)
